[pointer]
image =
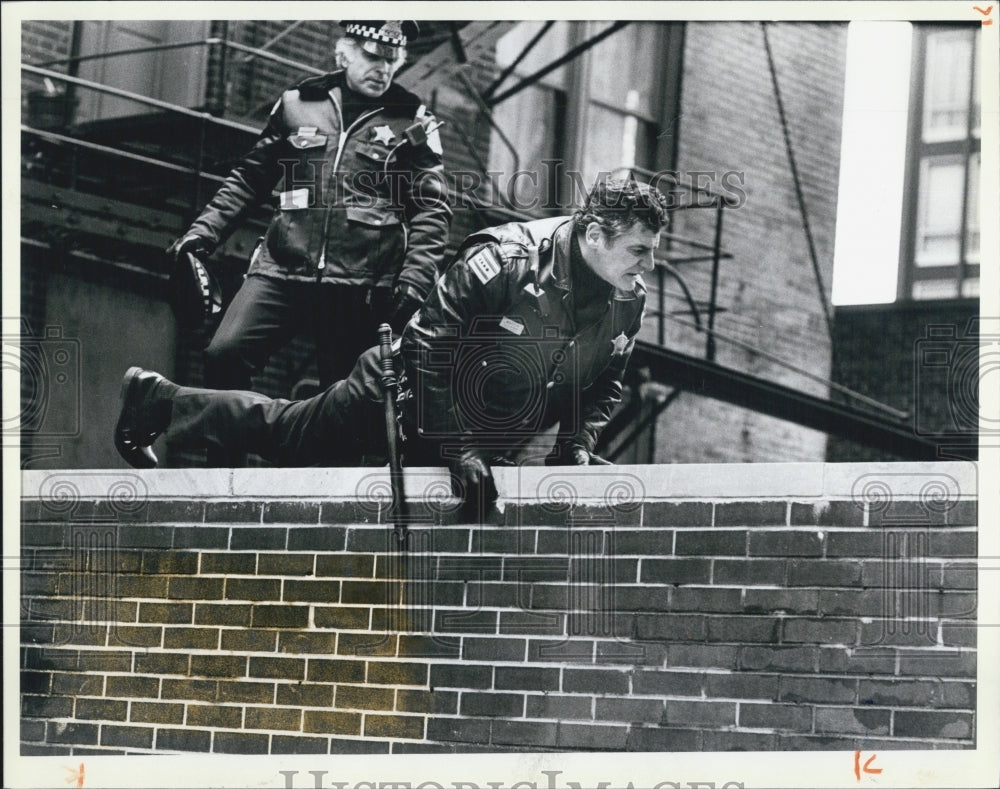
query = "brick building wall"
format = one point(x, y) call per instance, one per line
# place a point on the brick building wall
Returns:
point(44, 40)
point(691, 608)
point(729, 123)
point(876, 352)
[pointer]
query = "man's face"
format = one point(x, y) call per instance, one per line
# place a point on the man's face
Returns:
point(621, 261)
point(369, 74)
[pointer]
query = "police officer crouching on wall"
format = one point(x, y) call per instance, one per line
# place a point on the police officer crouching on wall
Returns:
point(531, 327)
point(362, 222)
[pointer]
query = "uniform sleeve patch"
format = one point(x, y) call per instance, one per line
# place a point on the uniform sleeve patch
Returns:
point(484, 265)
point(294, 200)
point(434, 142)
point(513, 325)
point(431, 126)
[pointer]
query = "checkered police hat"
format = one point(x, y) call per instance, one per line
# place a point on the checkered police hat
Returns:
point(384, 39)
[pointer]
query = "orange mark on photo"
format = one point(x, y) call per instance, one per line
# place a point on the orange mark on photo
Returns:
point(76, 775)
point(858, 769)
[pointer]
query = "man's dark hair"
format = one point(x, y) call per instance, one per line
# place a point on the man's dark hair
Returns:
point(616, 205)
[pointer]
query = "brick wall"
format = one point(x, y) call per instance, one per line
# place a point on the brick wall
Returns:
point(877, 352)
point(661, 609)
point(41, 41)
point(46, 39)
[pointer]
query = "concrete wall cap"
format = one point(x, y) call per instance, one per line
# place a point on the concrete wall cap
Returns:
point(710, 482)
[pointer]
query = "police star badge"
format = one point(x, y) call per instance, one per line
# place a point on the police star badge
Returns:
point(620, 345)
point(383, 134)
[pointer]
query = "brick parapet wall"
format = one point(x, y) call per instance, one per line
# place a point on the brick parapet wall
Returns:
point(653, 609)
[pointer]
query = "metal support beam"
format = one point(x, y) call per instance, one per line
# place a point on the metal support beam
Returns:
point(573, 53)
point(517, 61)
point(766, 397)
point(456, 43)
point(138, 98)
point(182, 45)
point(712, 299)
point(645, 422)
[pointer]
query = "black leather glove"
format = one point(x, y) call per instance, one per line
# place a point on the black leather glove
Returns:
point(196, 245)
point(568, 454)
point(405, 302)
point(472, 480)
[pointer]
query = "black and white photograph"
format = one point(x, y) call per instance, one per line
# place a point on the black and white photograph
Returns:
point(509, 396)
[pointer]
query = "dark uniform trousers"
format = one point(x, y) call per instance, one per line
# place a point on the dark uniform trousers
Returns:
point(341, 425)
point(267, 312)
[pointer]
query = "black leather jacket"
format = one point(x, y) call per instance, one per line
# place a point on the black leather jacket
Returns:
point(340, 218)
point(493, 357)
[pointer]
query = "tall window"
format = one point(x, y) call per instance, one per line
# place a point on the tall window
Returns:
point(940, 240)
point(623, 106)
point(601, 111)
point(532, 122)
point(176, 76)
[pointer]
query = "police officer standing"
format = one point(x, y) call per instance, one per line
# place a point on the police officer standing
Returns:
point(530, 328)
point(362, 220)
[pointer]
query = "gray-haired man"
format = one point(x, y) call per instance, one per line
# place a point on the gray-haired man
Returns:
point(362, 222)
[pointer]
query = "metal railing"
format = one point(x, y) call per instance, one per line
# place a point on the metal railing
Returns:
point(255, 52)
point(69, 134)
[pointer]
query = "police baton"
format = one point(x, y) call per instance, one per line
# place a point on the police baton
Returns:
point(390, 387)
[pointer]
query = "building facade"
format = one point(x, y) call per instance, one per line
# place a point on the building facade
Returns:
point(919, 352)
point(746, 116)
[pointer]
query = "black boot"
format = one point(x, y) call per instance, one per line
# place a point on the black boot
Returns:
point(145, 413)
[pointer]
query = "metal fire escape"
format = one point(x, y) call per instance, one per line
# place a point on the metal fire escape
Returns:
point(81, 182)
